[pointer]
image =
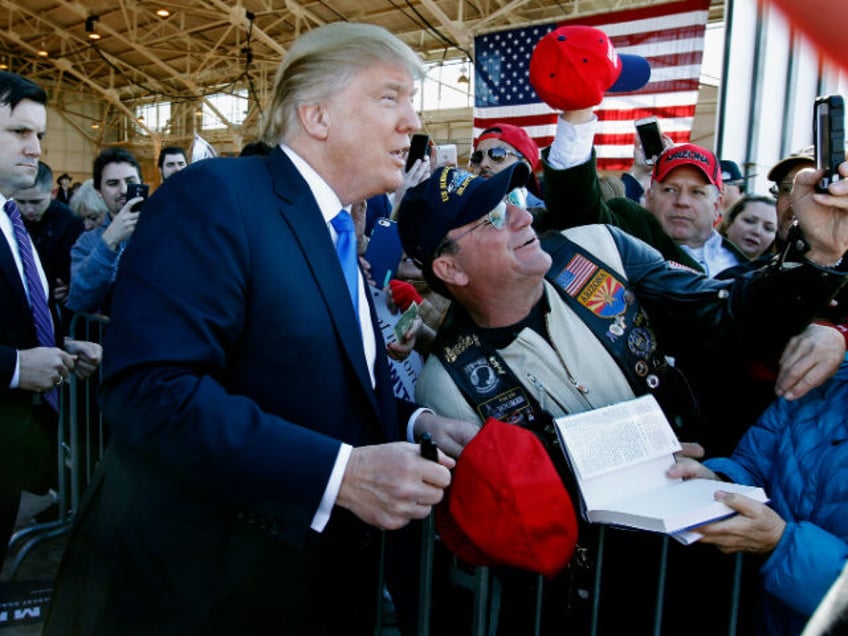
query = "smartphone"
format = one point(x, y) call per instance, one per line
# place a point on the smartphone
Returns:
point(829, 136)
point(648, 129)
point(137, 190)
point(384, 251)
point(446, 155)
point(419, 148)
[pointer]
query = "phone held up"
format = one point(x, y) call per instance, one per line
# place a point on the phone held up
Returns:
point(829, 136)
point(419, 147)
point(137, 190)
point(648, 129)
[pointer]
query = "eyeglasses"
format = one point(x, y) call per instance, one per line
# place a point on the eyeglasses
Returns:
point(496, 217)
point(497, 154)
point(778, 189)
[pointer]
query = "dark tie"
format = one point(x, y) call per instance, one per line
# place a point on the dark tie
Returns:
point(346, 250)
point(37, 299)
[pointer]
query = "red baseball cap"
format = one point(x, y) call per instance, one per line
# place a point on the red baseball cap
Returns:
point(507, 505)
point(516, 137)
point(573, 67)
point(688, 155)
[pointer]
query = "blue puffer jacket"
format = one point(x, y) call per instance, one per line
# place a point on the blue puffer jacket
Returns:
point(798, 452)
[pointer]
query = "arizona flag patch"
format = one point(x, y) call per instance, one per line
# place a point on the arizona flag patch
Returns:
point(603, 295)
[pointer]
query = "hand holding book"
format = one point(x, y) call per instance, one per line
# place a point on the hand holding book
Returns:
point(755, 527)
point(623, 456)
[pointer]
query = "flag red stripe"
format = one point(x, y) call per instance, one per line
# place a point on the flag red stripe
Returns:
point(666, 112)
point(658, 37)
point(668, 86)
point(524, 121)
point(690, 58)
point(601, 19)
point(626, 139)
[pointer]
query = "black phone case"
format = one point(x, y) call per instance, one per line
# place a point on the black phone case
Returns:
point(417, 149)
point(649, 135)
point(829, 136)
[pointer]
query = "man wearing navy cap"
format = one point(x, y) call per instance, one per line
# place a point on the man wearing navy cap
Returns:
point(563, 325)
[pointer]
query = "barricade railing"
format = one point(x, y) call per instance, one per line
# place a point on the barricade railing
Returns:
point(484, 584)
point(81, 438)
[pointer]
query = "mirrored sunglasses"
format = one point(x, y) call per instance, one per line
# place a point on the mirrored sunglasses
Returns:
point(497, 154)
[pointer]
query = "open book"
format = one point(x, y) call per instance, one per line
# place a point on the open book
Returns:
point(620, 455)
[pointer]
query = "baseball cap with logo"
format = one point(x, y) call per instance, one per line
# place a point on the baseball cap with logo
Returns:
point(688, 155)
point(450, 198)
point(572, 67)
point(507, 505)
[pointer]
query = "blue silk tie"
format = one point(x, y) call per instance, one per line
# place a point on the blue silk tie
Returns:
point(346, 251)
point(37, 299)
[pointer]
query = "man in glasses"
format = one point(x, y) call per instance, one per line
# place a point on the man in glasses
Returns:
point(501, 146)
point(562, 322)
point(783, 175)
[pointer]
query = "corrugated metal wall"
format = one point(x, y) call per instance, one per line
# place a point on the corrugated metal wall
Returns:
point(771, 76)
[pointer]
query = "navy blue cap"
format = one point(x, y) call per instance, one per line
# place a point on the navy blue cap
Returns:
point(450, 198)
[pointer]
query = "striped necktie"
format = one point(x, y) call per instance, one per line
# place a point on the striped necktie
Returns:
point(35, 290)
point(346, 251)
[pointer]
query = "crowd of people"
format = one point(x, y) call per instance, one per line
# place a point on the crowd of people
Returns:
point(261, 464)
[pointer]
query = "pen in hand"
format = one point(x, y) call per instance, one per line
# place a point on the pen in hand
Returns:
point(429, 450)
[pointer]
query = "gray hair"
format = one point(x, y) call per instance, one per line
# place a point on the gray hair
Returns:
point(87, 199)
point(323, 61)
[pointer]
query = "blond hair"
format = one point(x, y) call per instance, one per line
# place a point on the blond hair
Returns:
point(322, 62)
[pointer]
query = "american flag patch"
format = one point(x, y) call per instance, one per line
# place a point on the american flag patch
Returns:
point(575, 274)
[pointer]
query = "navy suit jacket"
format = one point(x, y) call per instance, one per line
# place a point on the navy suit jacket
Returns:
point(233, 361)
point(233, 371)
point(23, 445)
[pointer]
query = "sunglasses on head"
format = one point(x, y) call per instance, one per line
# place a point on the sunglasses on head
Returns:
point(496, 154)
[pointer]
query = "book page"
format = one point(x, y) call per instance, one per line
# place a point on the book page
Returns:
point(685, 504)
point(616, 436)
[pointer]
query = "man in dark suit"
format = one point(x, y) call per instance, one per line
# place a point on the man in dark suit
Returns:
point(254, 450)
point(31, 365)
point(54, 230)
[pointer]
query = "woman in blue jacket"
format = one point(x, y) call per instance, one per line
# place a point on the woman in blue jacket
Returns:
point(798, 452)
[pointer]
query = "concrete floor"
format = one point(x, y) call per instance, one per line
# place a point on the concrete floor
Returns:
point(39, 565)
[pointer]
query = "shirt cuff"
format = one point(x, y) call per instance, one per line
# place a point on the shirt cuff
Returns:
point(16, 376)
point(410, 427)
point(572, 144)
point(331, 492)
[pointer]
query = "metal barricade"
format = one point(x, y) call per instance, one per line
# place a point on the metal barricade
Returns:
point(81, 442)
point(486, 590)
point(82, 439)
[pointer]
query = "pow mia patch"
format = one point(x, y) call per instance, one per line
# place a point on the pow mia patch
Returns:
point(481, 375)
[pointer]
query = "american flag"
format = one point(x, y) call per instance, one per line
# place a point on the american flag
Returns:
point(670, 36)
point(575, 274)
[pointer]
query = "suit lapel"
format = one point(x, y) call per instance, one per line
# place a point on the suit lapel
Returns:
point(299, 209)
point(9, 271)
